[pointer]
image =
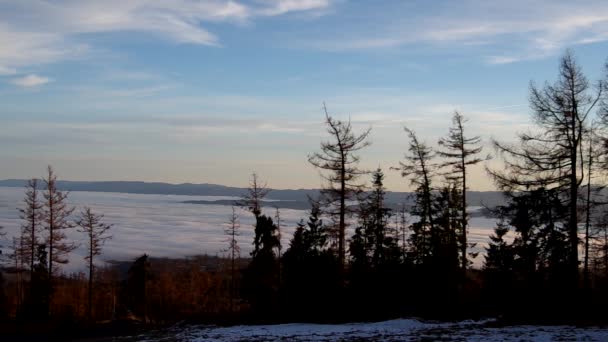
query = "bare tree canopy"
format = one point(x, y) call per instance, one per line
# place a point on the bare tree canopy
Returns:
point(419, 167)
point(459, 152)
point(551, 156)
point(338, 157)
point(56, 221)
point(256, 193)
point(96, 234)
point(32, 216)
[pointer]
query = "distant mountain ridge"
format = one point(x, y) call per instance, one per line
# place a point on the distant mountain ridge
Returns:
point(475, 198)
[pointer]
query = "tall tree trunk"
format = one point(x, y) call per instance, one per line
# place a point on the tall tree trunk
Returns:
point(464, 218)
point(50, 247)
point(90, 303)
point(573, 219)
point(588, 217)
point(342, 223)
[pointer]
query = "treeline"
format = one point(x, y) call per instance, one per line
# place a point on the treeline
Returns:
point(547, 259)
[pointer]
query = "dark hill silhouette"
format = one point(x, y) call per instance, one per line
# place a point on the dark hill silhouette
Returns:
point(285, 198)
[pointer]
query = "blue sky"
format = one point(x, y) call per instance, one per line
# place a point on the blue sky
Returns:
point(209, 91)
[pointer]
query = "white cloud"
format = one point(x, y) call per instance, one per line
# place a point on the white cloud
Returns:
point(31, 80)
point(517, 29)
point(279, 7)
point(20, 48)
point(35, 32)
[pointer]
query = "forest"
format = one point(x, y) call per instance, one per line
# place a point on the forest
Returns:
point(547, 261)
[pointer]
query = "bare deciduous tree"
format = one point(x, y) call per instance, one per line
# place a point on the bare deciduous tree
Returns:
point(55, 221)
point(32, 216)
point(232, 231)
point(339, 159)
point(96, 235)
point(418, 166)
point(552, 155)
point(460, 152)
point(256, 193)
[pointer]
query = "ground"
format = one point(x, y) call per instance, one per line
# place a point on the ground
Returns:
point(393, 330)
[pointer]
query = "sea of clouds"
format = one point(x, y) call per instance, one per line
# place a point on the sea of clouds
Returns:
point(164, 226)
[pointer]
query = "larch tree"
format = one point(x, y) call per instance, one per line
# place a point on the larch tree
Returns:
point(419, 167)
point(255, 195)
point(460, 152)
point(595, 164)
point(338, 157)
point(232, 232)
point(56, 221)
point(551, 156)
point(32, 216)
point(97, 233)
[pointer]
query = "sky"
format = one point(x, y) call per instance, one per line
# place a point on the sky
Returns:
point(209, 91)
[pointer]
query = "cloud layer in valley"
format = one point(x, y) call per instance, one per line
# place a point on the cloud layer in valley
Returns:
point(162, 226)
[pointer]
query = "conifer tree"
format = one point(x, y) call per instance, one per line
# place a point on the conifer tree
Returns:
point(460, 152)
point(551, 156)
point(266, 239)
point(594, 169)
point(372, 239)
point(255, 195)
point(339, 158)
point(419, 167)
point(539, 218)
point(311, 274)
point(232, 231)
point(32, 215)
point(447, 222)
point(261, 278)
point(56, 213)
point(96, 232)
point(38, 299)
point(499, 253)
point(137, 286)
point(315, 235)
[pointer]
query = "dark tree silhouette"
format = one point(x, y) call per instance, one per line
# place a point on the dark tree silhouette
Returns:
point(372, 243)
point(38, 299)
point(593, 196)
point(499, 253)
point(311, 278)
point(552, 155)
point(56, 221)
point(261, 280)
point(137, 286)
point(420, 169)
point(97, 234)
point(339, 159)
point(255, 195)
point(232, 231)
point(460, 152)
point(32, 215)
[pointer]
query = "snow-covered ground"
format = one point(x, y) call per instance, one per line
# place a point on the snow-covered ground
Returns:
point(394, 330)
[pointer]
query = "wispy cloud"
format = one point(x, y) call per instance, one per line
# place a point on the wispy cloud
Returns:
point(279, 7)
point(517, 30)
point(31, 80)
point(37, 32)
